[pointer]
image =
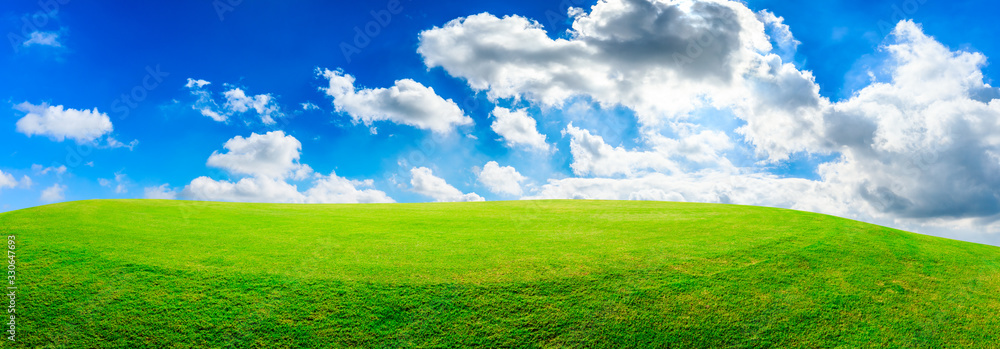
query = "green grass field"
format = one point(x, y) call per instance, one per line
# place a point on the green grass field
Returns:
point(587, 274)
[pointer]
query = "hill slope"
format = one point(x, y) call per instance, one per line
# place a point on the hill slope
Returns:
point(146, 273)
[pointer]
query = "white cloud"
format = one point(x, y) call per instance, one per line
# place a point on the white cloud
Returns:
point(334, 189)
point(43, 39)
point(114, 143)
point(270, 160)
point(517, 128)
point(54, 193)
point(407, 102)
point(264, 105)
point(425, 183)
point(252, 189)
point(664, 59)
point(307, 106)
point(501, 180)
point(26, 182)
point(923, 143)
point(7, 181)
point(707, 186)
point(119, 183)
point(59, 123)
point(213, 115)
point(273, 155)
point(631, 53)
point(205, 104)
point(237, 102)
point(780, 34)
point(42, 170)
point(782, 109)
point(326, 189)
point(161, 192)
point(193, 83)
point(592, 156)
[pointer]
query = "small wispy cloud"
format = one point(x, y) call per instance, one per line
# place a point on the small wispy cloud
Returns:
point(42, 39)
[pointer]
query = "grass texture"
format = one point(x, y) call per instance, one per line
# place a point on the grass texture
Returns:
point(545, 274)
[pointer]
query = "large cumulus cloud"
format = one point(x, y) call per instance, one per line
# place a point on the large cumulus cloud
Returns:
point(919, 146)
point(59, 123)
point(663, 59)
point(925, 142)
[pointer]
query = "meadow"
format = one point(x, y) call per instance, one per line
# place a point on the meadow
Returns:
point(545, 274)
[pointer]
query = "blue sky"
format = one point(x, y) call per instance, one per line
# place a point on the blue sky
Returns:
point(177, 63)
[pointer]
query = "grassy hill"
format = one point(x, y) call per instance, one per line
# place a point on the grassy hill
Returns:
point(146, 273)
